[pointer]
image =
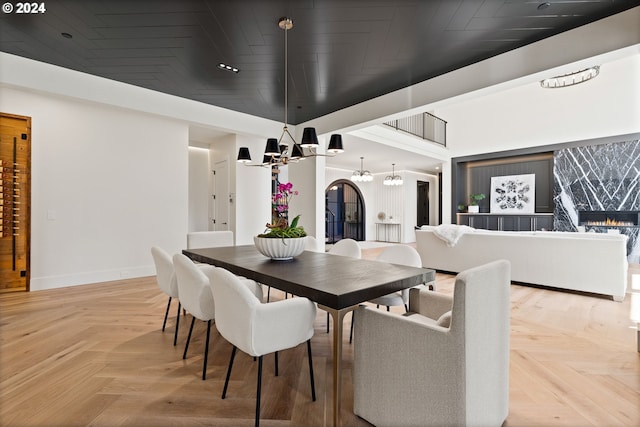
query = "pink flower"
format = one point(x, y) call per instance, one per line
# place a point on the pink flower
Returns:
point(280, 199)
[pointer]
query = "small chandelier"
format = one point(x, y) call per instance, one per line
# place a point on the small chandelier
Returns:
point(393, 179)
point(571, 78)
point(361, 175)
point(277, 151)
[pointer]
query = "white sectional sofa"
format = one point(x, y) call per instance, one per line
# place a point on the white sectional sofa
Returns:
point(587, 262)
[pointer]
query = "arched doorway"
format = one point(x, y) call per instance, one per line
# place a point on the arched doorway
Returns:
point(344, 212)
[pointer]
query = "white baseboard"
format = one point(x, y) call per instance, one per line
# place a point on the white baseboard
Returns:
point(85, 278)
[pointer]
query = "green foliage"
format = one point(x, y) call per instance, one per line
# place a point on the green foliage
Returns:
point(473, 201)
point(288, 232)
point(475, 198)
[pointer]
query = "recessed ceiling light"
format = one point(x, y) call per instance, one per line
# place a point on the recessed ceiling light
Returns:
point(227, 67)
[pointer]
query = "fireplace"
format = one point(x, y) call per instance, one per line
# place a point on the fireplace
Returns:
point(609, 218)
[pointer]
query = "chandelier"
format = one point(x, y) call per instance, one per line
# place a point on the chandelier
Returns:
point(279, 152)
point(393, 179)
point(571, 78)
point(361, 175)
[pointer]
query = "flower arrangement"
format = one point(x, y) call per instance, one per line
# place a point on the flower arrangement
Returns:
point(280, 226)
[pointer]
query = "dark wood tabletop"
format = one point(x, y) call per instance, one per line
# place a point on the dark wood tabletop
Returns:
point(331, 280)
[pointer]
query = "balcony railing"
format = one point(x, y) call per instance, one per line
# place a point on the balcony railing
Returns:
point(424, 125)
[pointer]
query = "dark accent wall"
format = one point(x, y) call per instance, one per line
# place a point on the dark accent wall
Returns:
point(475, 177)
point(472, 174)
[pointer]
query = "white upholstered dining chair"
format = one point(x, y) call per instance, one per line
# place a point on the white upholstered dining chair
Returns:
point(312, 244)
point(402, 255)
point(166, 279)
point(195, 295)
point(258, 329)
point(348, 248)
point(446, 362)
point(194, 289)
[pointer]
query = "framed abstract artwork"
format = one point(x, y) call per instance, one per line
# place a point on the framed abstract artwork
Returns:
point(513, 194)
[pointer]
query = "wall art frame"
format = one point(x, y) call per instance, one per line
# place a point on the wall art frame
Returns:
point(513, 194)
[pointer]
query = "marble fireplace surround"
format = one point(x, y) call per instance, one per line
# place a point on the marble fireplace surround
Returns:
point(599, 178)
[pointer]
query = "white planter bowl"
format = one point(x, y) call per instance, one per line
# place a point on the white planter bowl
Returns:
point(280, 249)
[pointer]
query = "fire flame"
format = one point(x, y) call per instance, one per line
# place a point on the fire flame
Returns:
point(611, 223)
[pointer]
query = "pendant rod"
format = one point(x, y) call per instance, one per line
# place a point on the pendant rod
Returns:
point(286, 24)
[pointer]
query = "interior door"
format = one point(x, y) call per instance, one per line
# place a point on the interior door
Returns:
point(423, 204)
point(15, 202)
point(221, 196)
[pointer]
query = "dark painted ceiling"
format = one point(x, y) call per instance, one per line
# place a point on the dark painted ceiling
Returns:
point(341, 52)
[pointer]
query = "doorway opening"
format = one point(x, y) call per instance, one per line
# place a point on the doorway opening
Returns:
point(422, 214)
point(344, 212)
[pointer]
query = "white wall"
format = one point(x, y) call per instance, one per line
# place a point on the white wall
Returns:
point(530, 116)
point(115, 181)
point(308, 178)
point(110, 162)
point(250, 187)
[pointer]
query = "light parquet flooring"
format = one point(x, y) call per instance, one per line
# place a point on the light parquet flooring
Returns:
point(95, 355)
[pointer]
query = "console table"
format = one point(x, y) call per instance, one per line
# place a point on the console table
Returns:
point(507, 222)
point(392, 229)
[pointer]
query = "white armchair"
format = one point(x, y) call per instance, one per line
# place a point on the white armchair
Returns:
point(445, 363)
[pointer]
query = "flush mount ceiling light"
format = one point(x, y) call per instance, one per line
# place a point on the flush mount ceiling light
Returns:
point(393, 179)
point(361, 175)
point(543, 6)
point(280, 152)
point(571, 78)
point(226, 67)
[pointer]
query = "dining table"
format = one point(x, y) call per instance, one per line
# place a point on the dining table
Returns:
point(338, 284)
